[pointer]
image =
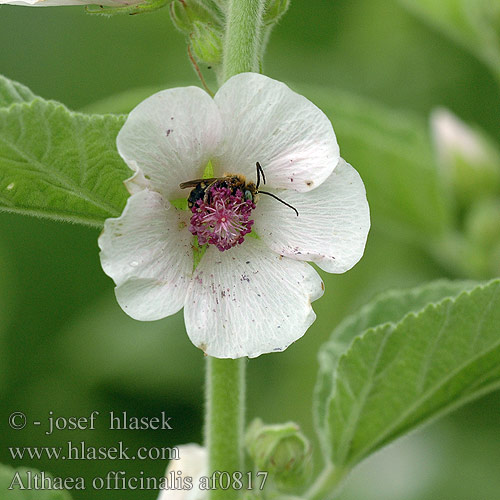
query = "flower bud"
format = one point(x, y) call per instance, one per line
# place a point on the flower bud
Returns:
point(274, 10)
point(206, 42)
point(186, 14)
point(469, 162)
point(482, 232)
point(53, 3)
point(183, 475)
point(282, 450)
point(180, 17)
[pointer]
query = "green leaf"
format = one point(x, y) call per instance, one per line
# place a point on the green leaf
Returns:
point(11, 92)
point(13, 477)
point(475, 24)
point(401, 374)
point(59, 164)
point(393, 154)
point(388, 307)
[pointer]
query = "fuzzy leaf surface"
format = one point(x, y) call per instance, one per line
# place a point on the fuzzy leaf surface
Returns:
point(408, 370)
point(59, 164)
point(12, 92)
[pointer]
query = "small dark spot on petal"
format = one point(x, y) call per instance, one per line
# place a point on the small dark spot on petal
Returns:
point(168, 132)
point(309, 183)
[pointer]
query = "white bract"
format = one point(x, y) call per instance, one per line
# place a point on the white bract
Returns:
point(53, 3)
point(192, 465)
point(255, 296)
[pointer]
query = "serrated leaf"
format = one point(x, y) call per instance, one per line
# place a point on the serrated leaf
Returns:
point(59, 164)
point(12, 477)
point(398, 376)
point(389, 307)
point(393, 154)
point(12, 92)
point(473, 23)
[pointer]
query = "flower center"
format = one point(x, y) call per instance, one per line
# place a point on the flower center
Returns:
point(222, 216)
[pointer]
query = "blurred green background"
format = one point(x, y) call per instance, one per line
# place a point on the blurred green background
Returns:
point(66, 346)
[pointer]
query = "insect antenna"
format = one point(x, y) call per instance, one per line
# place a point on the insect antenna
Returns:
point(280, 200)
point(260, 172)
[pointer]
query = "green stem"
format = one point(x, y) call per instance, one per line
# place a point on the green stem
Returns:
point(243, 37)
point(327, 484)
point(225, 388)
point(225, 408)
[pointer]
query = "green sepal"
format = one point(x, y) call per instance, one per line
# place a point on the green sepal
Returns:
point(198, 252)
point(185, 14)
point(132, 10)
point(180, 204)
point(282, 450)
point(206, 42)
point(274, 11)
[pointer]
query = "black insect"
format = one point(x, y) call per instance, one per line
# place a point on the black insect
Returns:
point(234, 182)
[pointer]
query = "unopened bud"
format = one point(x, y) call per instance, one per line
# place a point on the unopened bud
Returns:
point(469, 162)
point(186, 14)
point(281, 450)
point(183, 475)
point(180, 17)
point(274, 10)
point(482, 238)
point(206, 42)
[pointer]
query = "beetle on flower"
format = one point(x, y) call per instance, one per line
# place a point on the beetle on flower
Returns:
point(251, 292)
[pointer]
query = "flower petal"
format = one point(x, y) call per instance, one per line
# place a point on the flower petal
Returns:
point(266, 122)
point(192, 464)
point(171, 136)
point(147, 251)
point(53, 3)
point(249, 301)
point(332, 226)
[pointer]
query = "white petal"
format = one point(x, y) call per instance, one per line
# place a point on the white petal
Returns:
point(193, 464)
point(332, 226)
point(147, 251)
point(171, 136)
point(266, 122)
point(53, 3)
point(455, 139)
point(248, 301)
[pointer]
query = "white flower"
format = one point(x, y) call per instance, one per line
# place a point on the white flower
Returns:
point(256, 296)
point(453, 138)
point(192, 465)
point(52, 3)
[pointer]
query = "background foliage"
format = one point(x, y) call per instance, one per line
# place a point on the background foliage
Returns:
point(378, 71)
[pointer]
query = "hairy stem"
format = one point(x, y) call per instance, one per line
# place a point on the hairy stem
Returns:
point(327, 484)
point(225, 387)
point(225, 418)
point(243, 37)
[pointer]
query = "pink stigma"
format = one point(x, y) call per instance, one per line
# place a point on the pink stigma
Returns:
point(222, 217)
